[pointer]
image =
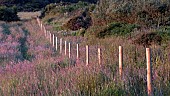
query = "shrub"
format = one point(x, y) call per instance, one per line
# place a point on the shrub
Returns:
point(145, 13)
point(112, 89)
point(88, 83)
point(148, 39)
point(164, 32)
point(115, 28)
point(72, 7)
point(82, 21)
point(61, 8)
point(81, 32)
point(8, 14)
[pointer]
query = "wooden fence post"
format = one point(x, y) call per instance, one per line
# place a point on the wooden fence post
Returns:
point(45, 32)
point(149, 82)
point(87, 55)
point(120, 61)
point(99, 55)
point(53, 40)
point(41, 26)
point(69, 50)
point(60, 45)
point(38, 20)
point(50, 37)
point(56, 43)
point(77, 51)
point(65, 47)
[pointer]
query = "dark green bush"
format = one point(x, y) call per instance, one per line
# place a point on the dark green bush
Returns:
point(112, 89)
point(72, 7)
point(8, 14)
point(53, 9)
point(164, 32)
point(115, 28)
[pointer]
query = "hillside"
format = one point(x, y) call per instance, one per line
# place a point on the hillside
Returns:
point(40, 1)
point(36, 5)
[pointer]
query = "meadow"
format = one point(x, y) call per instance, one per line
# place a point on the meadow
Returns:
point(31, 66)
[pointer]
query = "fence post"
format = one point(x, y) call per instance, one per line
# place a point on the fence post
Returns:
point(77, 51)
point(69, 50)
point(60, 45)
point(87, 55)
point(45, 32)
point(38, 20)
point(149, 82)
point(53, 40)
point(56, 43)
point(50, 37)
point(41, 26)
point(120, 60)
point(65, 47)
point(99, 55)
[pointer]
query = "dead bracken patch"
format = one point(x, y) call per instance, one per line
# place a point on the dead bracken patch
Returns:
point(78, 22)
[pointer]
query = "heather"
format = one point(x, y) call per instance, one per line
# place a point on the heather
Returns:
point(37, 69)
point(30, 65)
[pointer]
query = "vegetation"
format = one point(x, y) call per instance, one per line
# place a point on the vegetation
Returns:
point(30, 65)
point(8, 14)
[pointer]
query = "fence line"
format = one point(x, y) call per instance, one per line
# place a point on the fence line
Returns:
point(148, 56)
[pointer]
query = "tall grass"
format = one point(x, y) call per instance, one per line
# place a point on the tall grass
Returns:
point(48, 73)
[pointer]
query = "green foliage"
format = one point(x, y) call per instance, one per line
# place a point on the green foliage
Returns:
point(89, 82)
point(135, 84)
point(164, 32)
point(53, 9)
point(66, 63)
point(112, 89)
point(6, 29)
point(8, 14)
point(116, 28)
point(145, 13)
point(72, 7)
point(81, 32)
point(57, 28)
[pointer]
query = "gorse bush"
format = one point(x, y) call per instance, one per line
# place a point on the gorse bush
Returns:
point(146, 13)
point(64, 7)
point(115, 28)
point(8, 14)
point(164, 32)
